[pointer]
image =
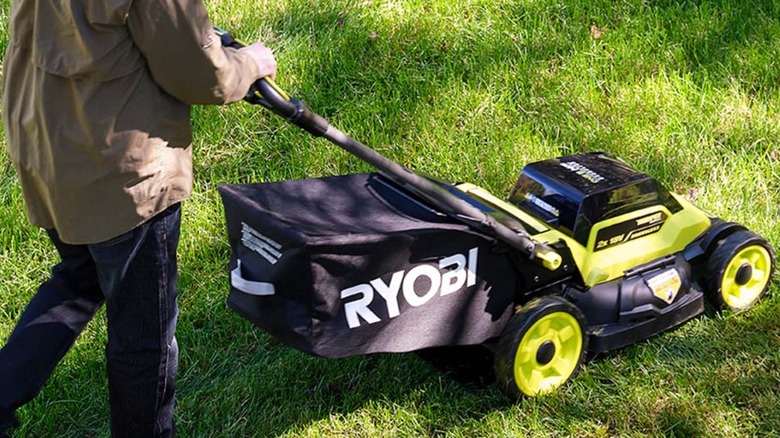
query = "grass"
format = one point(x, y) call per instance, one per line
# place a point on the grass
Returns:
point(469, 91)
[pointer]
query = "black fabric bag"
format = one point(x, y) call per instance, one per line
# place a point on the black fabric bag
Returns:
point(352, 264)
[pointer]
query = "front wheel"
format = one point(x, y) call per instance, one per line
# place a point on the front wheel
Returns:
point(739, 270)
point(543, 345)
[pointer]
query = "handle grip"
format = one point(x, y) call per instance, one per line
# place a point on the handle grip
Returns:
point(265, 92)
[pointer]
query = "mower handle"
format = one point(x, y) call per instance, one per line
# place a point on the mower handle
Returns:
point(265, 92)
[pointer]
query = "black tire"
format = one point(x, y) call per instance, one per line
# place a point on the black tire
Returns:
point(543, 345)
point(739, 270)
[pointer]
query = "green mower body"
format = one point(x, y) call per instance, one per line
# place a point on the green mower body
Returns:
point(637, 260)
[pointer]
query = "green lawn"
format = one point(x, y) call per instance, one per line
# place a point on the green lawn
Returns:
point(468, 91)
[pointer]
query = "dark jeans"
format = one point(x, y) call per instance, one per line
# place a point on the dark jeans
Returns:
point(135, 275)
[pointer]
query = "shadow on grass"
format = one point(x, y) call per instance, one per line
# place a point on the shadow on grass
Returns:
point(254, 386)
point(726, 41)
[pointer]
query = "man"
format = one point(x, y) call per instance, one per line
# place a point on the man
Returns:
point(96, 100)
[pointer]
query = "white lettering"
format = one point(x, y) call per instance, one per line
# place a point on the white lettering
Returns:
point(471, 280)
point(261, 244)
point(542, 204)
point(453, 280)
point(434, 278)
point(419, 286)
point(390, 292)
point(583, 171)
point(356, 308)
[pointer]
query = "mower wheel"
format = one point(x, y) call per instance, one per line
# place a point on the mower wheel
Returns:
point(739, 270)
point(542, 346)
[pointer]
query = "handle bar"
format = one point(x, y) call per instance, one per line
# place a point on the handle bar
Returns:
point(265, 92)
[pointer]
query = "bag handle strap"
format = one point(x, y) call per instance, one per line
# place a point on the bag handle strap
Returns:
point(247, 286)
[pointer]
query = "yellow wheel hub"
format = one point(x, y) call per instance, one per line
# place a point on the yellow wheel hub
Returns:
point(746, 276)
point(548, 354)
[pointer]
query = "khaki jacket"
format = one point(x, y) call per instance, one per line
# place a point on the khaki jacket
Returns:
point(96, 104)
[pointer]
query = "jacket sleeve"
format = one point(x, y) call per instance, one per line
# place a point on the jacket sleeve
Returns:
point(185, 55)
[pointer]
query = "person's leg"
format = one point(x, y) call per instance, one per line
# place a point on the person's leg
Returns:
point(47, 328)
point(138, 275)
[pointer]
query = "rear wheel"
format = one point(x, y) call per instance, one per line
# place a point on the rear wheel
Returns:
point(543, 345)
point(739, 270)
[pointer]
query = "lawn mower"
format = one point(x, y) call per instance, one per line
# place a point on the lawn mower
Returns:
point(585, 255)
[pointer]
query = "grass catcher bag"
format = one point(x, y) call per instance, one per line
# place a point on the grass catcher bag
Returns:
point(354, 264)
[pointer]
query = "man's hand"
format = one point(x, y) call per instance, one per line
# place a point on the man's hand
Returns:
point(264, 58)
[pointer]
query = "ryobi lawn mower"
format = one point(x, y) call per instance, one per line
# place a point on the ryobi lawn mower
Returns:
point(587, 254)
